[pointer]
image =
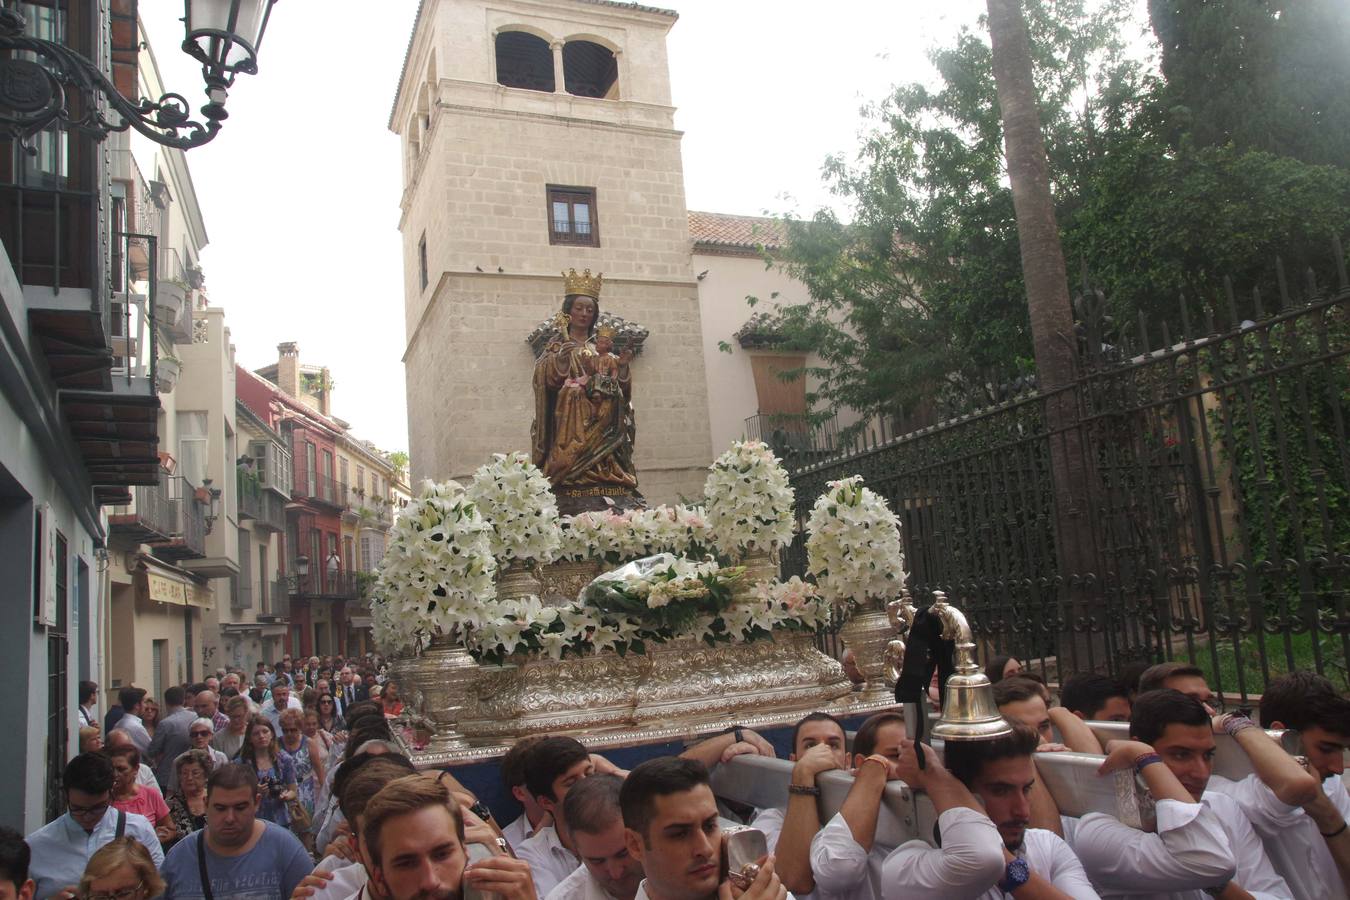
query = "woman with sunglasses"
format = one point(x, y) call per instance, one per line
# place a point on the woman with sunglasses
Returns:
point(121, 870)
point(200, 734)
point(330, 720)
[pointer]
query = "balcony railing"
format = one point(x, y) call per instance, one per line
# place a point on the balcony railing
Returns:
point(189, 517)
point(794, 437)
point(149, 518)
point(327, 586)
point(320, 488)
point(265, 508)
point(278, 605)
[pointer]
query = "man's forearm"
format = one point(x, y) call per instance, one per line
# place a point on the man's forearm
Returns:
point(792, 855)
point(1287, 780)
point(863, 803)
point(947, 792)
point(1074, 733)
point(709, 752)
point(1331, 824)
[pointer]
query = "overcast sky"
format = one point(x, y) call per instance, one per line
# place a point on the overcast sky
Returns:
point(300, 190)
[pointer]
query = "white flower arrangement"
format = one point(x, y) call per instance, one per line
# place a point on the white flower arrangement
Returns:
point(681, 598)
point(437, 571)
point(748, 500)
point(853, 544)
point(513, 495)
point(616, 537)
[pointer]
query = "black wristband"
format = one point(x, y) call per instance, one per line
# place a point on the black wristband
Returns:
point(1332, 834)
point(807, 789)
point(740, 736)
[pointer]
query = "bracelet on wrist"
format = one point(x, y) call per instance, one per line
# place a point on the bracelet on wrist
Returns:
point(1336, 833)
point(1144, 760)
point(1237, 722)
point(809, 790)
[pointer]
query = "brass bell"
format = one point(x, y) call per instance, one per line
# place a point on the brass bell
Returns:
point(968, 709)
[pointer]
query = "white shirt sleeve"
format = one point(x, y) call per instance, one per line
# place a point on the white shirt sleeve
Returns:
point(1189, 851)
point(1255, 872)
point(770, 821)
point(1052, 859)
point(139, 827)
point(969, 862)
point(838, 862)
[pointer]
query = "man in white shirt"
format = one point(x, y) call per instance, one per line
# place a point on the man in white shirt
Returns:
point(607, 871)
point(281, 699)
point(1299, 813)
point(552, 766)
point(132, 701)
point(512, 767)
point(672, 830)
point(62, 847)
point(1203, 844)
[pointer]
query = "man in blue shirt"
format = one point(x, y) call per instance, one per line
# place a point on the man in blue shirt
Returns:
point(246, 858)
point(63, 846)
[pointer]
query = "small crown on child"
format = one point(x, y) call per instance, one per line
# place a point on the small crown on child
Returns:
point(607, 331)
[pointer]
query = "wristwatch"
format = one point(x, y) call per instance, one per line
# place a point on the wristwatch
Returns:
point(1015, 874)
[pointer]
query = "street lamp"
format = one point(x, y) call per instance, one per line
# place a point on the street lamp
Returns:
point(301, 566)
point(35, 93)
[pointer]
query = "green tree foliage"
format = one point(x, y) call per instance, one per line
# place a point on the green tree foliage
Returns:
point(918, 300)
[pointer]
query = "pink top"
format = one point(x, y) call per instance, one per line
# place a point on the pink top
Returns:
point(149, 802)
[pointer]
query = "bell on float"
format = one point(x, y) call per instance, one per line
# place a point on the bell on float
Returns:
point(968, 709)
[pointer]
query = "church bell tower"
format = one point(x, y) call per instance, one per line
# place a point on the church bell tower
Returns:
point(538, 136)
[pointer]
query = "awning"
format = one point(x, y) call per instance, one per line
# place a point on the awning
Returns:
point(358, 622)
point(166, 584)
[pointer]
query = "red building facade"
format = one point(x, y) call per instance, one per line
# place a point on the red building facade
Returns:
point(317, 620)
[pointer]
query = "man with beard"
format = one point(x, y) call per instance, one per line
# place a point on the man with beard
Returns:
point(1203, 844)
point(595, 821)
point(1300, 813)
point(671, 827)
point(413, 837)
point(244, 857)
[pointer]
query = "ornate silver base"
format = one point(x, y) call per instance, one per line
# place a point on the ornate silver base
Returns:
point(435, 685)
point(867, 633)
point(686, 683)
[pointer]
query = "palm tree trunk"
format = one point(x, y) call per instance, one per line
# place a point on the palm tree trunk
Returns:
point(1052, 327)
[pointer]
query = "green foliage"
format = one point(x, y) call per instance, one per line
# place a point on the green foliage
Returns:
point(919, 299)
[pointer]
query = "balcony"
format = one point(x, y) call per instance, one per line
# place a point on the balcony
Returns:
point(265, 508)
point(796, 440)
point(189, 538)
point(278, 605)
point(167, 516)
point(327, 586)
point(320, 489)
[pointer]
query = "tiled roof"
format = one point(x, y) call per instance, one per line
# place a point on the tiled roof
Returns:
point(417, 18)
point(745, 232)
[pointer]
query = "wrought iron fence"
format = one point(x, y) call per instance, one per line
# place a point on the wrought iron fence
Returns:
point(1190, 502)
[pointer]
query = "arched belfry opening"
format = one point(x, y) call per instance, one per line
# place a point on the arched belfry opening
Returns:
point(524, 61)
point(590, 70)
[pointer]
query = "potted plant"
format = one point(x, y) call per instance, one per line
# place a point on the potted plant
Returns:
point(167, 372)
point(171, 297)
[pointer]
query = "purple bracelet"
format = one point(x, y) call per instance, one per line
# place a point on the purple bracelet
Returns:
point(1235, 723)
point(1146, 760)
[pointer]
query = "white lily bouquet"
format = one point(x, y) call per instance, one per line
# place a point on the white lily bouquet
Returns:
point(853, 544)
point(748, 500)
point(617, 537)
point(513, 495)
point(437, 571)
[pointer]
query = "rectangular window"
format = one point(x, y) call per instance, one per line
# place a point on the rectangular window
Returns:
point(264, 580)
point(422, 261)
point(571, 216)
point(192, 446)
point(311, 470)
point(361, 478)
point(58, 687)
point(243, 585)
point(329, 493)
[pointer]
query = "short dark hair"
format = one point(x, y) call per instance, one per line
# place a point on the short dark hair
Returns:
point(865, 740)
point(88, 690)
point(1130, 675)
point(513, 763)
point(360, 710)
point(1153, 711)
point(369, 730)
point(593, 805)
point(1302, 700)
point(362, 778)
point(128, 697)
point(129, 751)
point(1154, 677)
point(548, 759)
point(197, 687)
point(817, 717)
point(14, 857)
point(993, 670)
point(1088, 692)
point(1016, 689)
point(173, 696)
point(965, 759)
point(654, 778)
point(89, 772)
point(232, 776)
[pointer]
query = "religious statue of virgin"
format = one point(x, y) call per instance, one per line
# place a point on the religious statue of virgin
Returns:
point(583, 431)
